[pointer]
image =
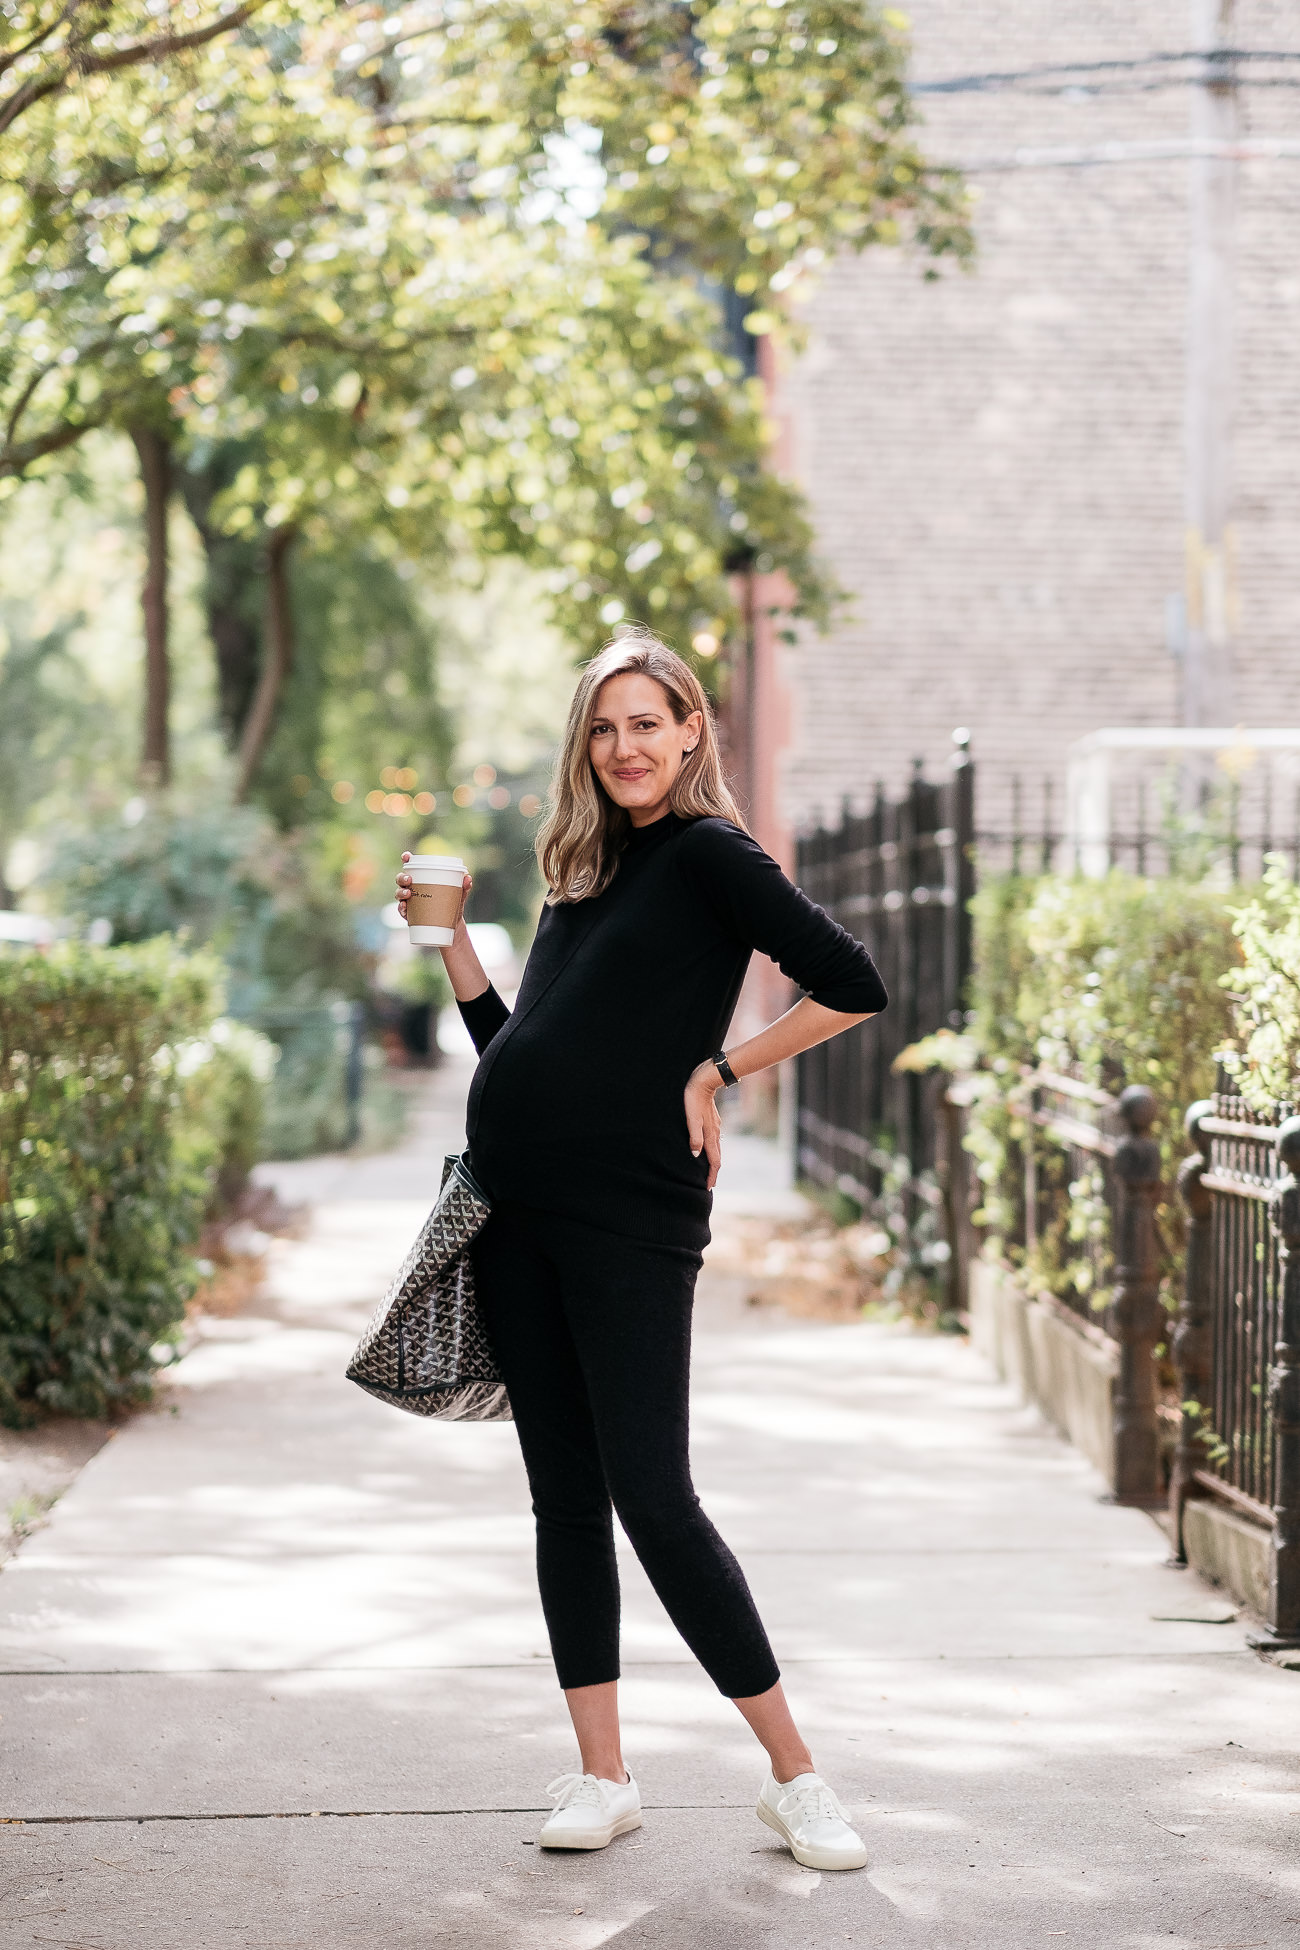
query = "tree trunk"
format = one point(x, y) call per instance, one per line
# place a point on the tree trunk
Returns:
point(277, 660)
point(156, 476)
point(231, 596)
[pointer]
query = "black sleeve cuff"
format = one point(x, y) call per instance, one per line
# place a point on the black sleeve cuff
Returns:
point(866, 996)
point(483, 1015)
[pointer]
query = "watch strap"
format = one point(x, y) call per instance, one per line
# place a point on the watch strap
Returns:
point(724, 1069)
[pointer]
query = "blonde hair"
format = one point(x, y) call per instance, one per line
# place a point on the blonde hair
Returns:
point(584, 832)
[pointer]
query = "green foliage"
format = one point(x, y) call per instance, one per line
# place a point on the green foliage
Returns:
point(43, 709)
point(421, 978)
point(1265, 991)
point(306, 1106)
point(48, 50)
point(224, 878)
point(225, 1080)
point(365, 693)
point(100, 1190)
point(1122, 983)
point(441, 277)
point(802, 113)
point(1001, 961)
point(1111, 981)
point(201, 874)
point(269, 904)
point(944, 1050)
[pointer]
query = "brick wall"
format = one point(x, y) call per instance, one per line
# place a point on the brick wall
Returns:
point(995, 460)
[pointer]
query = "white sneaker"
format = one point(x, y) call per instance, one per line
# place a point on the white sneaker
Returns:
point(811, 1822)
point(589, 1812)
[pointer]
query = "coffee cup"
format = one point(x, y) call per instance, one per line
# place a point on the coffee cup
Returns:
point(435, 900)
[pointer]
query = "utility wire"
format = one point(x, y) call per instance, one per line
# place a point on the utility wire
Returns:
point(1218, 58)
point(1172, 149)
point(1120, 78)
point(1085, 91)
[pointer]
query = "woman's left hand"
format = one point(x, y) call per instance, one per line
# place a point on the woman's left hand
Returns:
point(703, 1123)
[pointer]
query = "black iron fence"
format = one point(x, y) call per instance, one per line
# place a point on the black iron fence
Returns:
point(1082, 1177)
point(1242, 1179)
point(1080, 1189)
point(901, 875)
point(1154, 833)
point(1237, 1341)
point(1073, 1131)
point(1083, 1228)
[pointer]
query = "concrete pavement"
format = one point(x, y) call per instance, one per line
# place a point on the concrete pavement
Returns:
point(275, 1672)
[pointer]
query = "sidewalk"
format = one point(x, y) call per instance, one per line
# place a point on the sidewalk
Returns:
point(275, 1673)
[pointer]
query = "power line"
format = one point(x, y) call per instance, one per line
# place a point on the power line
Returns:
point(1122, 90)
point(1226, 58)
point(1173, 149)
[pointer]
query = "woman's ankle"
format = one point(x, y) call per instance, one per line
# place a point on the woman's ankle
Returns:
point(606, 1767)
point(788, 1766)
point(594, 1712)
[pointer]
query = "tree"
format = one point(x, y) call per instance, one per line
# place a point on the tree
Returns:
point(154, 455)
point(738, 139)
point(438, 279)
point(743, 135)
point(574, 412)
point(48, 49)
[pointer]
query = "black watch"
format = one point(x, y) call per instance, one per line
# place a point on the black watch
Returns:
point(724, 1069)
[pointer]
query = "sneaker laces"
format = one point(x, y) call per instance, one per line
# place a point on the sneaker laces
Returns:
point(812, 1802)
point(576, 1791)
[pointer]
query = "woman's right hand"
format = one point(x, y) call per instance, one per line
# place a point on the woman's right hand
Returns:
point(404, 894)
point(464, 969)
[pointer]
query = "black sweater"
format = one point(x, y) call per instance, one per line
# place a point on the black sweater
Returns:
point(576, 1105)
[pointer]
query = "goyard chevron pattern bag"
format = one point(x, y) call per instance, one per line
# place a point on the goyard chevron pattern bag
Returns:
point(425, 1349)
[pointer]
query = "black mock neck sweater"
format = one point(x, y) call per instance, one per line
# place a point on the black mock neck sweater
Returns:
point(576, 1105)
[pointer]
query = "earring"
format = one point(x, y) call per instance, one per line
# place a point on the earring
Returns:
point(689, 752)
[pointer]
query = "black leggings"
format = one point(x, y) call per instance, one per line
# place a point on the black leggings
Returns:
point(593, 1335)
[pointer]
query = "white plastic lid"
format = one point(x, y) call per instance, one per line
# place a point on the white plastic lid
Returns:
point(448, 860)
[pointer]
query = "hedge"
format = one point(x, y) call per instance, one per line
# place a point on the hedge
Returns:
point(1114, 981)
point(120, 1124)
point(1265, 991)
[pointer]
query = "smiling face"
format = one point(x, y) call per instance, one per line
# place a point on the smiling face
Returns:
point(637, 746)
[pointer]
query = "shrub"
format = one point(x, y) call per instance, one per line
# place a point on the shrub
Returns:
point(265, 902)
point(222, 1110)
point(1113, 981)
point(226, 879)
point(307, 1108)
point(1000, 965)
point(1265, 993)
point(109, 1153)
point(208, 875)
point(421, 979)
point(1122, 983)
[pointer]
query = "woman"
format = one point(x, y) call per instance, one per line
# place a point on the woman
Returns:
point(593, 1126)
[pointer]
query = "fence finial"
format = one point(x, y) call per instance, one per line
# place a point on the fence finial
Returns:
point(1138, 1108)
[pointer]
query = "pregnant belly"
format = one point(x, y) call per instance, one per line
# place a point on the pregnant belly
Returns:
point(607, 1113)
